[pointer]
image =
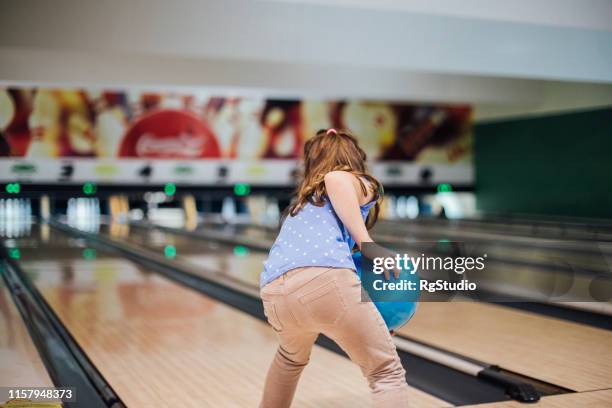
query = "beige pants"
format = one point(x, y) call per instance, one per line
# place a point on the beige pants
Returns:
point(307, 301)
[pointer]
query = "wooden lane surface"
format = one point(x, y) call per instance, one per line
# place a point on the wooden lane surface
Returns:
point(537, 251)
point(515, 280)
point(20, 363)
point(211, 256)
point(599, 260)
point(567, 354)
point(589, 399)
point(461, 233)
point(564, 353)
point(541, 257)
point(524, 278)
point(160, 344)
point(521, 279)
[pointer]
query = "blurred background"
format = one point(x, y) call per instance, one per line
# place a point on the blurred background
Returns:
point(148, 148)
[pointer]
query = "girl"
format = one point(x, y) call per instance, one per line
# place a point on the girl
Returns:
point(309, 285)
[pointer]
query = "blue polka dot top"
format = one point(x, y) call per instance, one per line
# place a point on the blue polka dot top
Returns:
point(314, 237)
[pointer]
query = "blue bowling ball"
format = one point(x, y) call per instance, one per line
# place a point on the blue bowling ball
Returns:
point(395, 313)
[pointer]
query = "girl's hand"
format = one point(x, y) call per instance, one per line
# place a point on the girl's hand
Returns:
point(372, 250)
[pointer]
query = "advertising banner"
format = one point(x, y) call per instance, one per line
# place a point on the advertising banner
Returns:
point(125, 136)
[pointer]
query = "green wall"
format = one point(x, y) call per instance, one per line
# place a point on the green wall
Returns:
point(553, 165)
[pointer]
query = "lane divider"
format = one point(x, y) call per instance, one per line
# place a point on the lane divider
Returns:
point(67, 364)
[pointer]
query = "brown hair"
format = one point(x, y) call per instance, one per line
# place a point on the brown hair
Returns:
point(332, 150)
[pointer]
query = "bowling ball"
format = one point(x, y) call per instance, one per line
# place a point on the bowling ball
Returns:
point(170, 134)
point(394, 310)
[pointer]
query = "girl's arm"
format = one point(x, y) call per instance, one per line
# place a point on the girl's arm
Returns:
point(346, 196)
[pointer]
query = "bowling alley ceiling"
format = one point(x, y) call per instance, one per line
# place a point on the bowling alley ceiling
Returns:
point(475, 51)
point(589, 14)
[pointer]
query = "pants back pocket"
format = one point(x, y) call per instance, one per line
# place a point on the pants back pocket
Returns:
point(272, 316)
point(324, 303)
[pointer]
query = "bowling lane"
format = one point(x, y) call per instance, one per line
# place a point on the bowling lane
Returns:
point(595, 256)
point(559, 229)
point(19, 358)
point(417, 231)
point(581, 361)
point(237, 263)
point(566, 354)
point(160, 344)
point(525, 272)
point(531, 268)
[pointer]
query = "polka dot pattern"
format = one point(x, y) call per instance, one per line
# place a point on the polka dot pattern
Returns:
point(314, 237)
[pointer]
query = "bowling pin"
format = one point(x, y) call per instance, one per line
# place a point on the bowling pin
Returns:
point(390, 199)
point(412, 207)
point(272, 211)
point(400, 207)
point(228, 210)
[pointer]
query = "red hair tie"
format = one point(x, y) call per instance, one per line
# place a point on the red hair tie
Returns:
point(331, 130)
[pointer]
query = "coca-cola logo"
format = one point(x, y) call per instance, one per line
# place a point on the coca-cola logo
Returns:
point(183, 145)
point(170, 133)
